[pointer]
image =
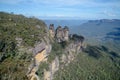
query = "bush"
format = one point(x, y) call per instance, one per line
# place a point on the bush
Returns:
point(42, 66)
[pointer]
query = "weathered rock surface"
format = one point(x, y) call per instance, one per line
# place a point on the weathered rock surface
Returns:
point(69, 55)
point(53, 67)
point(51, 30)
point(43, 48)
point(66, 33)
point(60, 34)
point(40, 52)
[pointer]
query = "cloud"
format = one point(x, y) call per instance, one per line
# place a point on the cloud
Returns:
point(64, 8)
point(109, 13)
point(61, 3)
point(11, 1)
point(78, 2)
point(67, 2)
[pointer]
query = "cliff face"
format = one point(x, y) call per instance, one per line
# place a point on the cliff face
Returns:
point(53, 67)
point(59, 62)
point(69, 53)
point(40, 53)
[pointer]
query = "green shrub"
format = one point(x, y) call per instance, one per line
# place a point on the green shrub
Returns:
point(42, 66)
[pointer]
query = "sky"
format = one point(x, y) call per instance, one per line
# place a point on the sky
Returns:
point(64, 9)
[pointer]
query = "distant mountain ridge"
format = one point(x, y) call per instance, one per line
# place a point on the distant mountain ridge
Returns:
point(105, 20)
point(99, 29)
point(69, 23)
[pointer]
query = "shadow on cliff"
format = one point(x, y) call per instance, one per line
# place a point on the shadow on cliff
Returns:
point(115, 35)
point(96, 52)
point(93, 51)
point(112, 53)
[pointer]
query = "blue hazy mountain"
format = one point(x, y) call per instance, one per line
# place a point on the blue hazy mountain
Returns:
point(100, 29)
point(104, 29)
point(69, 23)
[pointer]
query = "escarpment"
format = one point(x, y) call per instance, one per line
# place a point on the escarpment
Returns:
point(43, 50)
point(63, 51)
point(29, 50)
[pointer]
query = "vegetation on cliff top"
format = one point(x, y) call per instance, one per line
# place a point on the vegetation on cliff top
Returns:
point(13, 64)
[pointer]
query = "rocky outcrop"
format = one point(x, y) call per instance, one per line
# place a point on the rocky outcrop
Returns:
point(60, 34)
point(53, 67)
point(51, 30)
point(19, 41)
point(43, 48)
point(66, 33)
point(71, 51)
point(78, 41)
